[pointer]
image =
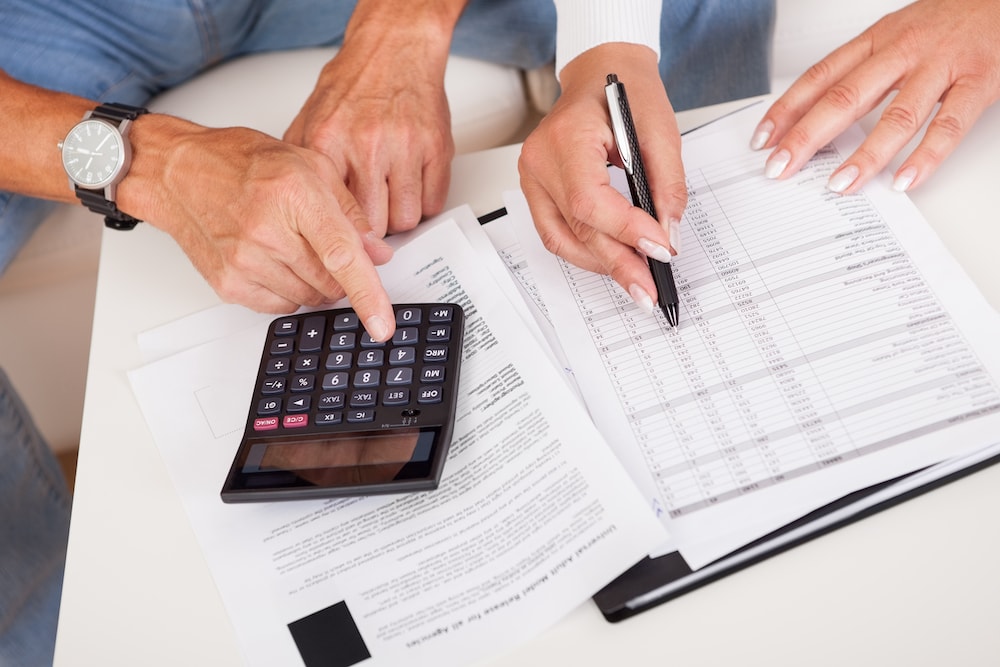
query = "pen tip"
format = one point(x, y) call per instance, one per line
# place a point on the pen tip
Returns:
point(670, 310)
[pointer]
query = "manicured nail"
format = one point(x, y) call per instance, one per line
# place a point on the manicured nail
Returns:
point(654, 250)
point(904, 179)
point(843, 179)
point(674, 227)
point(761, 135)
point(377, 328)
point(641, 299)
point(776, 164)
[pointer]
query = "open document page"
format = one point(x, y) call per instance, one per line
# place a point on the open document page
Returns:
point(534, 513)
point(826, 343)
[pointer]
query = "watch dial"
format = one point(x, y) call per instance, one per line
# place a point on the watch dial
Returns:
point(92, 154)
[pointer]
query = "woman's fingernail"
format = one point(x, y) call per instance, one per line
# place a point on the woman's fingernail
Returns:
point(641, 299)
point(675, 235)
point(654, 250)
point(776, 164)
point(761, 135)
point(377, 328)
point(843, 179)
point(904, 179)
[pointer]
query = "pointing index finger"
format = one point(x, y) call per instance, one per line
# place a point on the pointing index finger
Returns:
point(341, 249)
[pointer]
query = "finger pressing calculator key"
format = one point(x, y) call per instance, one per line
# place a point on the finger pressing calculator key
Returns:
point(336, 413)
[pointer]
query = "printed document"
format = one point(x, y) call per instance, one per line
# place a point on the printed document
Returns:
point(534, 513)
point(826, 343)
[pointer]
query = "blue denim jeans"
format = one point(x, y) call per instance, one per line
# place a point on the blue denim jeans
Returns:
point(34, 526)
point(712, 50)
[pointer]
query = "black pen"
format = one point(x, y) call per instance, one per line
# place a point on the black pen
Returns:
point(628, 147)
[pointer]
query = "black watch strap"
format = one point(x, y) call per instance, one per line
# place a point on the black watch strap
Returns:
point(94, 199)
point(117, 112)
point(113, 218)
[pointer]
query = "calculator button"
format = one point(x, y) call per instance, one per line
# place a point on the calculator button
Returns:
point(429, 395)
point(437, 353)
point(298, 404)
point(303, 383)
point(273, 386)
point(394, 397)
point(399, 376)
point(432, 374)
point(269, 406)
point(265, 424)
point(277, 366)
point(440, 314)
point(405, 336)
point(367, 378)
point(331, 401)
point(311, 338)
point(407, 317)
point(306, 363)
point(287, 326)
point(329, 418)
point(335, 381)
point(363, 399)
point(368, 341)
point(338, 361)
point(345, 322)
point(360, 416)
point(402, 355)
point(342, 341)
point(282, 346)
point(295, 421)
point(439, 334)
point(371, 358)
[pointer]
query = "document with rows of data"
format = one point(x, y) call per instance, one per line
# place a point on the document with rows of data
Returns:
point(827, 343)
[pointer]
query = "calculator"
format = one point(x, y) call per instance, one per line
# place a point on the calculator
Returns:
point(336, 413)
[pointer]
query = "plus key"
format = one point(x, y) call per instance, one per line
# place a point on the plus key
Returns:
point(311, 335)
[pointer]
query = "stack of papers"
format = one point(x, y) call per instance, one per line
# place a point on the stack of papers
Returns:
point(533, 513)
point(827, 344)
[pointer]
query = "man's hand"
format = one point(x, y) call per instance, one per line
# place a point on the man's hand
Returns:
point(930, 51)
point(268, 224)
point(379, 111)
point(578, 214)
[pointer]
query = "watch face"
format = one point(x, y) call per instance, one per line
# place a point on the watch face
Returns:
point(93, 154)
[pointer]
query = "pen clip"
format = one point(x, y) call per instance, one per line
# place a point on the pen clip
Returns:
point(615, 90)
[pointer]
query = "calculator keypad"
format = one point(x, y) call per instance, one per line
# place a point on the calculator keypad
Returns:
point(322, 370)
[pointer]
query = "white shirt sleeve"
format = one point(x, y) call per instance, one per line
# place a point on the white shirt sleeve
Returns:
point(584, 24)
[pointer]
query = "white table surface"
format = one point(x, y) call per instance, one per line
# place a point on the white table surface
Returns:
point(918, 584)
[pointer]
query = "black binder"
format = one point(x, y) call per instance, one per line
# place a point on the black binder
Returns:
point(653, 581)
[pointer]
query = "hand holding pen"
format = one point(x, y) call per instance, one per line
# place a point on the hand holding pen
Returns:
point(627, 141)
point(578, 213)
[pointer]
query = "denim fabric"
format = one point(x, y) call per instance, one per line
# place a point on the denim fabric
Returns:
point(34, 527)
point(712, 51)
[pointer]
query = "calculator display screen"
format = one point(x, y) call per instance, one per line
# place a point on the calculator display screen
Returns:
point(362, 457)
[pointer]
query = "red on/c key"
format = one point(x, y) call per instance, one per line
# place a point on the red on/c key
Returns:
point(265, 423)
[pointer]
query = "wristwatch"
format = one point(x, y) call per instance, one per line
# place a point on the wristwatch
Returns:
point(96, 155)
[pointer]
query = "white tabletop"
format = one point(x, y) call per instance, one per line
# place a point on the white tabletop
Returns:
point(917, 584)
